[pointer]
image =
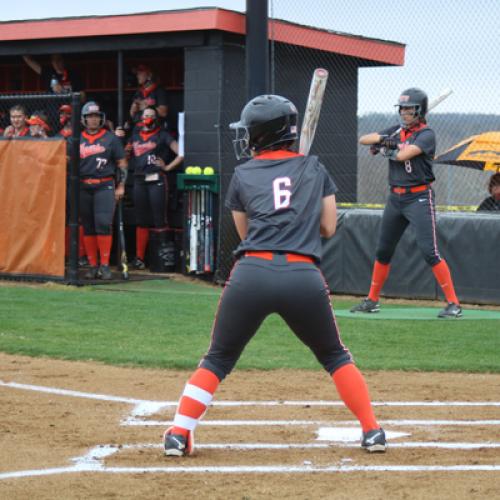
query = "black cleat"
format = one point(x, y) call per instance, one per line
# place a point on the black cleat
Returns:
point(452, 310)
point(176, 445)
point(105, 272)
point(366, 306)
point(374, 441)
point(91, 273)
point(139, 264)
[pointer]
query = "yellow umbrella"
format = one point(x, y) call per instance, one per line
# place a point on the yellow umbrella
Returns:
point(481, 152)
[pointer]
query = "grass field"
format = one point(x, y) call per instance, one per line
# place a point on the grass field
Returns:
point(167, 323)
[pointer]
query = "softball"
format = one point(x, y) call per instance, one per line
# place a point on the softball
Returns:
point(189, 170)
point(196, 171)
point(208, 171)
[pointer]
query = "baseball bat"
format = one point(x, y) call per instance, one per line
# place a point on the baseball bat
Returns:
point(313, 109)
point(439, 99)
point(193, 233)
point(123, 250)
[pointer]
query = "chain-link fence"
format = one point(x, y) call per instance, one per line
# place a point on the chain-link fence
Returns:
point(39, 191)
point(447, 46)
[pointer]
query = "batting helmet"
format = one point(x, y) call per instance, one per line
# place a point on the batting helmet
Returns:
point(414, 98)
point(92, 108)
point(266, 121)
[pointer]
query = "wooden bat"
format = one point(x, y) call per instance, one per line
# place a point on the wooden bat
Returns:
point(313, 109)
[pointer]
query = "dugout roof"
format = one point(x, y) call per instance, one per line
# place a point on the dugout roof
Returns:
point(17, 36)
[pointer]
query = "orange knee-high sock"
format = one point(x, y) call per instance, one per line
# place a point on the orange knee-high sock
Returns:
point(196, 397)
point(443, 277)
point(141, 241)
point(379, 275)
point(104, 242)
point(90, 243)
point(353, 391)
point(81, 246)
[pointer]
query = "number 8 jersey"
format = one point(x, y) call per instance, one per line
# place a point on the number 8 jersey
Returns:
point(281, 192)
point(99, 154)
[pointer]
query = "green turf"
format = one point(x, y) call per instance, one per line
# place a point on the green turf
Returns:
point(418, 313)
point(166, 323)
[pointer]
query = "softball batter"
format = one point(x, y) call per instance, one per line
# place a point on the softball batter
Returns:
point(410, 147)
point(282, 203)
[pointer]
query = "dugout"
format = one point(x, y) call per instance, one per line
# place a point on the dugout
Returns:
point(199, 55)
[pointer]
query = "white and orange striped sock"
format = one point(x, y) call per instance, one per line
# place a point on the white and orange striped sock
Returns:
point(197, 395)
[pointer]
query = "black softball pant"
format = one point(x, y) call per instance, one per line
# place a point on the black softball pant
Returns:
point(97, 207)
point(150, 201)
point(402, 210)
point(257, 288)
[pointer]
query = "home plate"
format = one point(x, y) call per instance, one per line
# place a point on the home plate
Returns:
point(350, 434)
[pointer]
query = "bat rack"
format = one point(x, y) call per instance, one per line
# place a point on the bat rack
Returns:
point(199, 220)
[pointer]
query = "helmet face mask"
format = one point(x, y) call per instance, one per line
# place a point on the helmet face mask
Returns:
point(267, 122)
point(241, 142)
point(412, 98)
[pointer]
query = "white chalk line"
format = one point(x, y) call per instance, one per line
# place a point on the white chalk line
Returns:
point(318, 446)
point(93, 461)
point(272, 423)
point(145, 403)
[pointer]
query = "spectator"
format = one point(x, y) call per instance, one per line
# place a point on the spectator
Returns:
point(492, 203)
point(65, 120)
point(18, 126)
point(150, 148)
point(57, 78)
point(149, 93)
point(39, 125)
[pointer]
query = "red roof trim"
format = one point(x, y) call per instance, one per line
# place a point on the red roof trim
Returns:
point(201, 19)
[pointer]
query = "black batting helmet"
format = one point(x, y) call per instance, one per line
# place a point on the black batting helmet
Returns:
point(92, 108)
point(266, 121)
point(414, 98)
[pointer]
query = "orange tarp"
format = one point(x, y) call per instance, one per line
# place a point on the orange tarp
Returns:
point(32, 206)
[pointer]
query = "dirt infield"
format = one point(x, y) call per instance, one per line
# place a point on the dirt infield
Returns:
point(86, 430)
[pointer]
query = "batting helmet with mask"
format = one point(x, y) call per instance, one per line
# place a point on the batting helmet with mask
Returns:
point(266, 121)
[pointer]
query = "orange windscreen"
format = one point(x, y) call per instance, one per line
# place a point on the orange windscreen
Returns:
point(32, 206)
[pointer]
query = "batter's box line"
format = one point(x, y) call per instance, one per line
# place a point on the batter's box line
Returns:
point(135, 422)
point(93, 461)
point(148, 407)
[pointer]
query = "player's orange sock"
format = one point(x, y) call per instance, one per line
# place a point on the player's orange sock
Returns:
point(104, 243)
point(91, 249)
point(443, 276)
point(353, 391)
point(196, 397)
point(379, 275)
point(81, 246)
point(141, 238)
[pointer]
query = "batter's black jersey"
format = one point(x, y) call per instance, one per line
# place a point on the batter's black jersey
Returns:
point(282, 198)
point(417, 170)
point(147, 147)
point(99, 154)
